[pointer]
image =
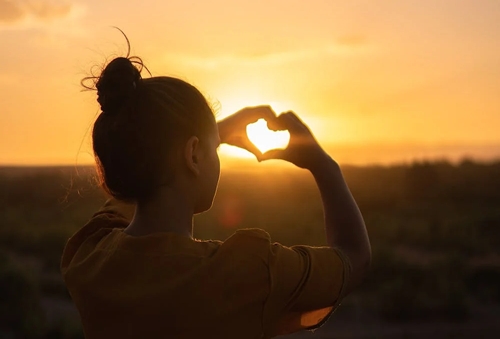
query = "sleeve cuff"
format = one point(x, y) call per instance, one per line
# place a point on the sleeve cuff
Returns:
point(345, 279)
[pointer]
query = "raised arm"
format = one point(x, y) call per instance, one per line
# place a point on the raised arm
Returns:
point(344, 225)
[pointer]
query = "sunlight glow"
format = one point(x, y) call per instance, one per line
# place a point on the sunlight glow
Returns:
point(354, 81)
point(265, 139)
point(233, 151)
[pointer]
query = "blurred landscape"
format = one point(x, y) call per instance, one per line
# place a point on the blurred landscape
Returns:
point(434, 228)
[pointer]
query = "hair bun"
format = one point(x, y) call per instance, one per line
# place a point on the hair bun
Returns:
point(117, 84)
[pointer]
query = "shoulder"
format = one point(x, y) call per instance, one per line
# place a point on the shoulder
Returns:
point(246, 243)
point(249, 236)
point(86, 238)
point(252, 233)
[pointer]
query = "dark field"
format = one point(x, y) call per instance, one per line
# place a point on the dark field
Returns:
point(434, 227)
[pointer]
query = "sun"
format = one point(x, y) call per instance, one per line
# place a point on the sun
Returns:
point(265, 139)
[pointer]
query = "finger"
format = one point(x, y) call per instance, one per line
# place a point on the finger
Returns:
point(263, 112)
point(281, 123)
point(249, 146)
point(274, 154)
point(246, 144)
point(275, 124)
point(294, 117)
point(289, 121)
point(252, 114)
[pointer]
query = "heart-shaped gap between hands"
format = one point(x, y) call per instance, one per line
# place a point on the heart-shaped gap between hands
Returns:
point(266, 139)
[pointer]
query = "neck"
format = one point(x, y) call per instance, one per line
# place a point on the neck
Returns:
point(168, 211)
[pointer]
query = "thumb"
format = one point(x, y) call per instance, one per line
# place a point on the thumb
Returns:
point(249, 146)
point(273, 154)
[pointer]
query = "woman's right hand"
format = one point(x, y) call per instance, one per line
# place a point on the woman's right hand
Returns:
point(303, 150)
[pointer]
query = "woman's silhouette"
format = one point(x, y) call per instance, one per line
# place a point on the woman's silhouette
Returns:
point(138, 272)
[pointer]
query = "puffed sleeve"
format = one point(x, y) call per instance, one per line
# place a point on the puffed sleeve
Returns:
point(306, 285)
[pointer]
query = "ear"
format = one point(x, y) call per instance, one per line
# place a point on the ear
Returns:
point(192, 155)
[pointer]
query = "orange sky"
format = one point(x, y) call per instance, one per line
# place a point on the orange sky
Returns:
point(378, 81)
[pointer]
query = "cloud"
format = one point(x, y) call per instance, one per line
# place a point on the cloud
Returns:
point(340, 46)
point(345, 47)
point(10, 11)
point(48, 10)
point(13, 12)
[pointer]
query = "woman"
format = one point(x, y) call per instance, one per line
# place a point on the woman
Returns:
point(140, 274)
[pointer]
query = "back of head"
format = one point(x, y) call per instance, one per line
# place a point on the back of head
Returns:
point(141, 124)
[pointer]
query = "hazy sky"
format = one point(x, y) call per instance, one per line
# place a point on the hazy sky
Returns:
point(370, 77)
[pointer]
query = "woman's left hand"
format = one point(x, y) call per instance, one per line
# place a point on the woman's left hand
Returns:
point(233, 129)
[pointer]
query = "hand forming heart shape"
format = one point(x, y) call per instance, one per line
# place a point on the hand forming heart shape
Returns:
point(301, 147)
point(236, 129)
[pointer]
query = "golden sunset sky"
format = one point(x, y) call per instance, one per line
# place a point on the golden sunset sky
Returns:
point(377, 81)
